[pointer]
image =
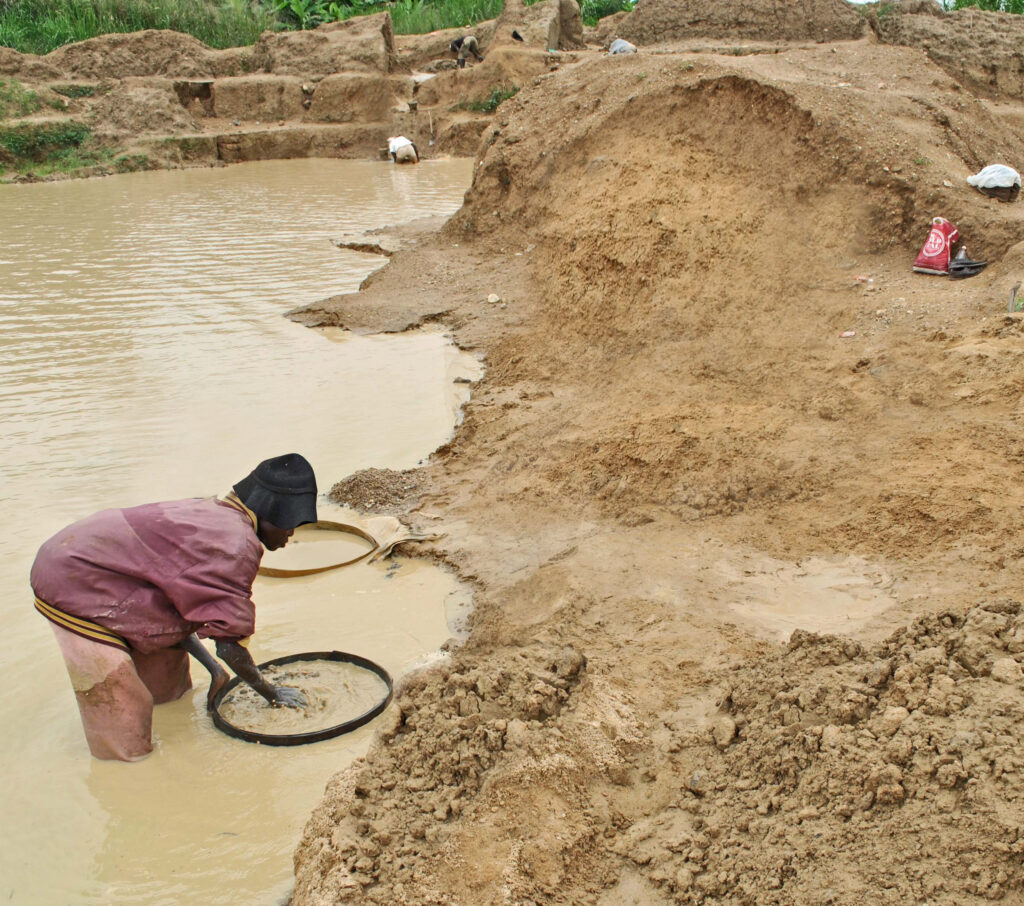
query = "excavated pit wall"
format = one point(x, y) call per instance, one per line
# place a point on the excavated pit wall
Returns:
point(159, 98)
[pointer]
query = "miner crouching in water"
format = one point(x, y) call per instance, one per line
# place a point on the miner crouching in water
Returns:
point(402, 150)
point(463, 47)
point(129, 593)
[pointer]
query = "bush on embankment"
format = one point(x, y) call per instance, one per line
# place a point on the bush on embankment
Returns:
point(38, 149)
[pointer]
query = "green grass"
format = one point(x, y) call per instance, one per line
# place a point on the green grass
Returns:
point(593, 10)
point(417, 17)
point(16, 100)
point(493, 101)
point(1006, 6)
point(36, 139)
point(75, 91)
point(39, 26)
point(42, 149)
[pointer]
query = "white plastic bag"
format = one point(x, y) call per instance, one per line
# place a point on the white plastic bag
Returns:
point(621, 46)
point(995, 176)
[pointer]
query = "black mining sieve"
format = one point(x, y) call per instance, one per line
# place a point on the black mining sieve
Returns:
point(299, 739)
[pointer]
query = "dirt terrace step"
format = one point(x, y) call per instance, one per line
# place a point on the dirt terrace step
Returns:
point(349, 140)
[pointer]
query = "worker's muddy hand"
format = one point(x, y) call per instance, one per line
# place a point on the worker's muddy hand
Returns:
point(288, 697)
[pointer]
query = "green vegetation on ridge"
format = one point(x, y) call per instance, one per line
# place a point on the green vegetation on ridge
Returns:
point(994, 6)
point(16, 100)
point(39, 26)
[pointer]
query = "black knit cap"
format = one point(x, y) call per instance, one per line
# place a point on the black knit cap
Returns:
point(281, 490)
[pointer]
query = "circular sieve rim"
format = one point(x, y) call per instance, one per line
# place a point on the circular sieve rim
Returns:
point(298, 739)
point(327, 526)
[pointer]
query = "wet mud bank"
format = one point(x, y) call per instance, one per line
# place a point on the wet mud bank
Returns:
point(747, 585)
point(738, 492)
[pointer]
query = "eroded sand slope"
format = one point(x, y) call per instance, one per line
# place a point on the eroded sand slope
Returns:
point(674, 462)
point(748, 622)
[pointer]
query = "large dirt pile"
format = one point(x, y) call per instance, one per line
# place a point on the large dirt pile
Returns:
point(696, 221)
point(143, 53)
point(719, 407)
point(903, 758)
point(131, 104)
point(980, 50)
point(365, 43)
point(657, 21)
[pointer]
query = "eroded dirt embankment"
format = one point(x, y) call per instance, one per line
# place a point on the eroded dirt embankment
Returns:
point(675, 461)
point(162, 99)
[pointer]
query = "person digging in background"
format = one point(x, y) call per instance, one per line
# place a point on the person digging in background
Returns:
point(463, 47)
point(130, 592)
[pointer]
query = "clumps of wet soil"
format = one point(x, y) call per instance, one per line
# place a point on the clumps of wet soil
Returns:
point(378, 490)
point(451, 727)
point(837, 772)
point(832, 772)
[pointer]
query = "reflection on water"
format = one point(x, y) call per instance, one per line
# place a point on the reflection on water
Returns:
point(143, 356)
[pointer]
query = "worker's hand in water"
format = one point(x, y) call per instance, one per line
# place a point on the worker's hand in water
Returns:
point(288, 697)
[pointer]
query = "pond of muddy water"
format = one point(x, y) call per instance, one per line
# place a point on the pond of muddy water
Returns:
point(144, 356)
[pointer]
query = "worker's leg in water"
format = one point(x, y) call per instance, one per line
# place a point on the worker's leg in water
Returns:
point(164, 673)
point(115, 705)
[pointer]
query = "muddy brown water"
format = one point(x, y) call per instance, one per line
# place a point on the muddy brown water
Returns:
point(334, 693)
point(143, 356)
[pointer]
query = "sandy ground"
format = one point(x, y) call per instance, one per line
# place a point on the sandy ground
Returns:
point(748, 626)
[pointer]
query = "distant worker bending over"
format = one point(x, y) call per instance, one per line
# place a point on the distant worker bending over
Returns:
point(129, 593)
point(402, 150)
point(463, 47)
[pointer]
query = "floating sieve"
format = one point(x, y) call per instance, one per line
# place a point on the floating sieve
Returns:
point(299, 739)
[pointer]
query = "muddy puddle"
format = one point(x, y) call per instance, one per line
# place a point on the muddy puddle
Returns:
point(143, 356)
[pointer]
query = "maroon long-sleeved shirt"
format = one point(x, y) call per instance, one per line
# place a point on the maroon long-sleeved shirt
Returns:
point(156, 573)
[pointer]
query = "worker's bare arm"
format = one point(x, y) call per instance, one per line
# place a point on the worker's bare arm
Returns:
point(218, 675)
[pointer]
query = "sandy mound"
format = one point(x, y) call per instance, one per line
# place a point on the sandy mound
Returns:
point(828, 774)
point(880, 754)
point(658, 21)
point(26, 66)
point(365, 43)
point(378, 490)
point(507, 66)
point(637, 269)
point(672, 459)
point(980, 50)
point(137, 107)
point(141, 53)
